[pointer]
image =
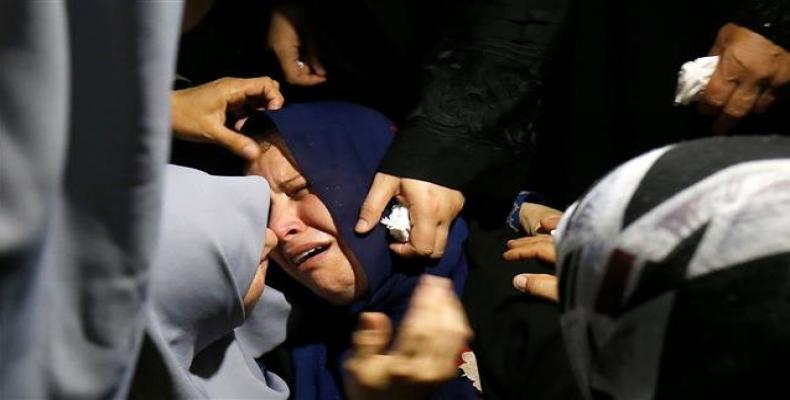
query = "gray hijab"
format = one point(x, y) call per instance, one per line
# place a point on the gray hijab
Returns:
point(84, 136)
point(212, 235)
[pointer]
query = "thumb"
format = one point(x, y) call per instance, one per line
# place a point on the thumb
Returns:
point(373, 335)
point(550, 222)
point(237, 143)
point(384, 188)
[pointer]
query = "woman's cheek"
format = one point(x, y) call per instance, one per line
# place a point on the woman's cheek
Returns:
point(316, 215)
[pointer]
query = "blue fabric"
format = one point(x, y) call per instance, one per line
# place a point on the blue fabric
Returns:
point(338, 148)
point(513, 220)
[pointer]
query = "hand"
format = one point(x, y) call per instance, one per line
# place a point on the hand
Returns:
point(283, 39)
point(750, 71)
point(539, 285)
point(531, 215)
point(424, 353)
point(200, 113)
point(432, 208)
point(542, 248)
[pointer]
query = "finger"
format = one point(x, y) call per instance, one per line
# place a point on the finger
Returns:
point(288, 56)
point(528, 241)
point(372, 335)
point(434, 335)
point(384, 188)
point(530, 215)
point(740, 104)
point(315, 63)
point(765, 101)
point(717, 92)
point(440, 240)
point(237, 143)
point(549, 223)
point(407, 250)
point(429, 288)
point(716, 49)
point(275, 96)
point(542, 251)
point(307, 74)
point(293, 69)
point(431, 305)
point(262, 88)
point(540, 285)
point(424, 224)
point(250, 93)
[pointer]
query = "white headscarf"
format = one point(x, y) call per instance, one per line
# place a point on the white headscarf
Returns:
point(646, 255)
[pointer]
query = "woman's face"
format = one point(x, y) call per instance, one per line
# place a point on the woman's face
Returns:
point(308, 246)
point(255, 291)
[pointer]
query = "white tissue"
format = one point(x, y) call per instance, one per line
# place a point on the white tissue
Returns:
point(398, 223)
point(469, 369)
point(693, 78)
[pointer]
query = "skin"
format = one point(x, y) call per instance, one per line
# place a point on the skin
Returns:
point(300, 220)
point(422, 354)
point(255, 291)
point(751, 73)
point(283, 39)
point(194, 11)
point(540, 246)
point(434, 330)
point(432, 209)
point(200, 113)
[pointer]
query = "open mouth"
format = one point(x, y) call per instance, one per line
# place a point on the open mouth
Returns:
point(309, 253)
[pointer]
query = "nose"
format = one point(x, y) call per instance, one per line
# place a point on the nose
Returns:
point(285, 222)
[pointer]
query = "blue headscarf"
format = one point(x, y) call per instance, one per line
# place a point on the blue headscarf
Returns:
point(338, 147)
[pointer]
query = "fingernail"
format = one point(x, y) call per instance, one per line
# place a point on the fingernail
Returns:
point(250, 151)
point(361, 225)
point(520, 282)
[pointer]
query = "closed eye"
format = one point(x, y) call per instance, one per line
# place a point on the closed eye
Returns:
point(299, 193)
point(296, 188)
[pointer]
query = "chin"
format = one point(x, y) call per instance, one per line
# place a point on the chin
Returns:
point(338, 294)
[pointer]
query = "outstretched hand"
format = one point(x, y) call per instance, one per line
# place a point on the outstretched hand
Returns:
point(539, 247)
point(200, 113)
point(432, 209)
point(424, 353)
point(750, 72)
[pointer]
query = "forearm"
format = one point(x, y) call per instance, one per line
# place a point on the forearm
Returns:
point(483, 95)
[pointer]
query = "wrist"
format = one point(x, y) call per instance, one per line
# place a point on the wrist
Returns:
point(178, 121)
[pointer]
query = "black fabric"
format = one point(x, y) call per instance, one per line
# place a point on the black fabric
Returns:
point(229, 41)
point(727, 335)
point(149, 382)
point(690, 162)
point(770, 18)
point(478, 112)
point(658, 278)
point(519, 348)
point(615, 84)
point(728, 318)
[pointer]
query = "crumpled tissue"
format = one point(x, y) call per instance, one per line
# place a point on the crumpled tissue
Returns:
point(398, 223)
point(693, 78)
